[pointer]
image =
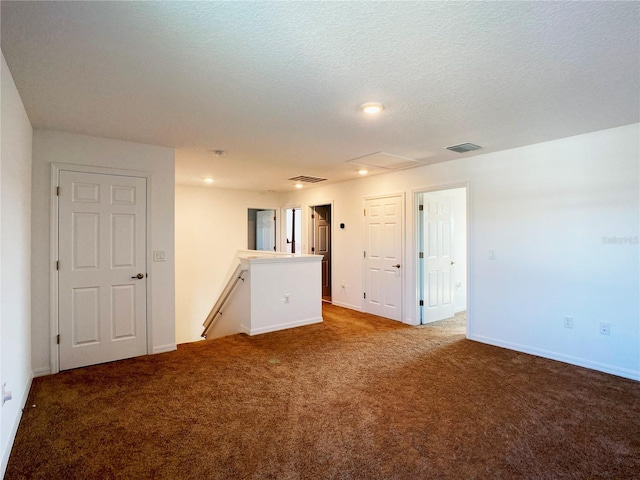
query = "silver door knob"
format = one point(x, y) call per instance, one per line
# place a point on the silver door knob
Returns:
point(397, 265)
point(139, 276)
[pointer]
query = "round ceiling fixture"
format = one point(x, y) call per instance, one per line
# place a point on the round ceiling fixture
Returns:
point(363, 171)
point(372, 108)
point(208, 180)
point(298, 185)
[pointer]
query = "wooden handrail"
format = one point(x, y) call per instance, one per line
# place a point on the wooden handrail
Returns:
point(216, 311)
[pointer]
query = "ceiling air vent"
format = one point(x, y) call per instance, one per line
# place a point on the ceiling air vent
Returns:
point(305, 178)
point(464, 147)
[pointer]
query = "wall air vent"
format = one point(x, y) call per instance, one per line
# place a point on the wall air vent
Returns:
point(307, 179)
point(464, 147)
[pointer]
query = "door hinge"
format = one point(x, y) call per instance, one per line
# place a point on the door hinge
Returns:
point(422, 303)
point(274, 218)
point(364, 212)
point(57, 264)
point(364, 254)
point(313, 216)
point(365, 294)
point(313, 249)
point(57, 191)
point(421, 207)
point(58, 339)
point(421, 255)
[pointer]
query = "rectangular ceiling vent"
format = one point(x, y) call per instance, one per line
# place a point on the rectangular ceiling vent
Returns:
point(305, 178)
point(464, 147)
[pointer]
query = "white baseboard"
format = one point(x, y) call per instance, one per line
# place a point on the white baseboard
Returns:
point(580, 362)
point(41, 372)
point(460, 309)
point(14, 427)
point(283, 326)
point(346, 305)
point(164, 348)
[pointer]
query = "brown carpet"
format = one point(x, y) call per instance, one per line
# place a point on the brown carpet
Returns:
point(356, 397)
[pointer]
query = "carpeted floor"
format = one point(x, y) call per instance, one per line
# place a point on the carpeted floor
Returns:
point(356, 397)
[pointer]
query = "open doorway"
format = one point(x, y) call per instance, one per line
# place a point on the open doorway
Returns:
point(261, 229)
point(441, 225)
point(321, 244)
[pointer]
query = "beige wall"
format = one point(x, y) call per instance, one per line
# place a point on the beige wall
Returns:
point(211, 225)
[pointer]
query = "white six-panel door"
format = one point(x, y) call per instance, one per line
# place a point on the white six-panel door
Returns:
point(383, 257)
point(102, 254)
point(438, 279)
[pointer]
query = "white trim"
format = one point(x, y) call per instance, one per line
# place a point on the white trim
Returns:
point(403, 253)
point(41, 372)
point(170, 347)
point(282, 326)
point(11, 435)
point(56, 168)
point(538, 352)
point(346, 305)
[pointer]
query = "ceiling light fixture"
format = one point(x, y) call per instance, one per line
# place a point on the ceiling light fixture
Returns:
point(208, 180)
point(299, 185)
point(372, 108)
point(363, 171)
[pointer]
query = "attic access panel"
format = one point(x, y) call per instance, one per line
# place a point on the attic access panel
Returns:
point(385, 160)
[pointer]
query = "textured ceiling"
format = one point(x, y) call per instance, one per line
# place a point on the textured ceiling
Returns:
point(278, 85)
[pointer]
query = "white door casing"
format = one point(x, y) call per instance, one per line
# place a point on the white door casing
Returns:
point(438, 283)
point(101, 250)
point(383, 256)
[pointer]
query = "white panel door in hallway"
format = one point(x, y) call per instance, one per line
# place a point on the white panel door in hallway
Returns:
point(438, 282)
point(383, 256)
point(102, 295)
point(266, 230)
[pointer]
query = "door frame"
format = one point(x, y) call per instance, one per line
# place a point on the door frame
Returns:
point(56, 168)
point(277, 233)
point(307, 226)
point(416, 242)
point(403, 254)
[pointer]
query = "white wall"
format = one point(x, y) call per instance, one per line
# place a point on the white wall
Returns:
point(544, 209)
point(15, 240)
point(57, 147)
point(211, 225)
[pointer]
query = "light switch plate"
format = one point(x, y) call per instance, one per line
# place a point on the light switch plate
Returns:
point(158, 256)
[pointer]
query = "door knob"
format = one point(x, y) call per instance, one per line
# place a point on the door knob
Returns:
point(139, 276)
point(397, 265)
point(453, 263)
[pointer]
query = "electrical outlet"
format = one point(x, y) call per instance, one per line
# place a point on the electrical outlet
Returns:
point(605, 328)
point(568, 322)
point(287, 297)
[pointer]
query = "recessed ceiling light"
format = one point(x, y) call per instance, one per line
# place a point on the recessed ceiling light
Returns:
point(299, 185)
point(372, 107)
point(363, 171)
point(208, 180)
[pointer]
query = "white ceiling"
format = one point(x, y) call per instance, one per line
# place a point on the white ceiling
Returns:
point(278, 85)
